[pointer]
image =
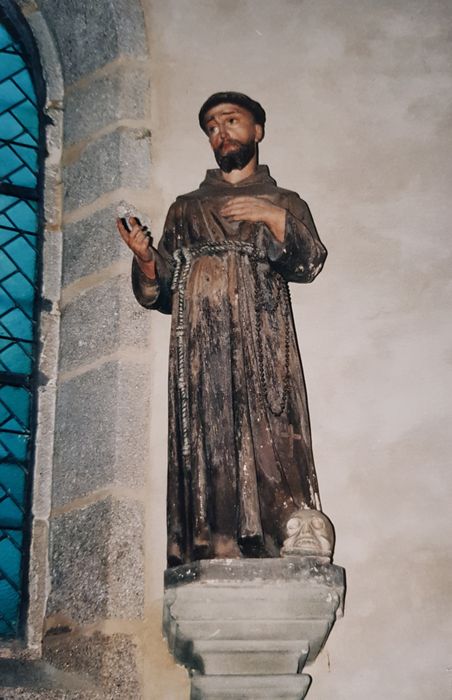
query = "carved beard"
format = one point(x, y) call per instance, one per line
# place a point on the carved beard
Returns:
point(236, 160)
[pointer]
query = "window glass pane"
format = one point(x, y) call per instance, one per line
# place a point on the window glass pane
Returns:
point(19, 256)
point(17, 215)
point(15, 357)
point(10, 579)
point(14, 409)
point(12, 495)
point(18, 272)
point(14, 448)
point(19, 120)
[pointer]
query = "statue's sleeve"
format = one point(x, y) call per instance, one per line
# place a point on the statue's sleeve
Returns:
point(301, 255)
point(156, 294)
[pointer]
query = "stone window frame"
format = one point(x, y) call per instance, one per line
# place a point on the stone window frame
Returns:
point(86, 574)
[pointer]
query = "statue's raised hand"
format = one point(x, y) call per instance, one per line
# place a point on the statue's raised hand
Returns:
point(138, 239)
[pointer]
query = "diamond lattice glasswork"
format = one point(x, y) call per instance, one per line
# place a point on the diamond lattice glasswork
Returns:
point(19, 257)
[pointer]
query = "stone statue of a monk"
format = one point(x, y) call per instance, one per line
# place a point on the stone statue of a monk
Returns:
point(239, 459)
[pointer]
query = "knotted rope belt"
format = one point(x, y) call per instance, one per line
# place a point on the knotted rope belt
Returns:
point(184, 257)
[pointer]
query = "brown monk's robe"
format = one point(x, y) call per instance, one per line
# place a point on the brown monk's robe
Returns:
point(248, 469)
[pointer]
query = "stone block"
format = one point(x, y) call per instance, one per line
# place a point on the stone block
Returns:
point(53, 186)
point(249, 687)
point(49, 336)
point(120, 158)
point(42, 476)
point(122, 95)
point(263, 656)
point(53, 196)
point(102, 420)
point(92, 244)
point(50, 60)
point(91, 34)
point(221, 602)
point(37, 583)
point(256, 628)
point(235, 571)
point(54, 143)
point(101, 320)
point(96, 564)
point(52, 255)
point(109, 662)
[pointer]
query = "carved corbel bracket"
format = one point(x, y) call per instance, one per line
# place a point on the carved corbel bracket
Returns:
point(245, 628)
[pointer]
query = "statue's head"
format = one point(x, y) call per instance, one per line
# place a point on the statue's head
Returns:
point(234, 124)
point(310, 533)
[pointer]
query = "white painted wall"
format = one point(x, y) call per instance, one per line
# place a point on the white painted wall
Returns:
point(358, 96)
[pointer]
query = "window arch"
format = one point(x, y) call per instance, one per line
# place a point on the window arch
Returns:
point(22, 98)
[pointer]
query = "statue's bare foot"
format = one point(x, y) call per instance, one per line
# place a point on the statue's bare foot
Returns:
point(225, 547)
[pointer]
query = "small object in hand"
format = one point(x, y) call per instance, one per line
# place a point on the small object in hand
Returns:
point(125, 223)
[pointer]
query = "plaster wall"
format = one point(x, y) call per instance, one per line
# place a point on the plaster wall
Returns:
point(358, 98)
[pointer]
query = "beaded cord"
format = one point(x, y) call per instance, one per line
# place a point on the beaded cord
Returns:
point(283, 296)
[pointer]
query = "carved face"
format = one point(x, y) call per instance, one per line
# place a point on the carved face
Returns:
point(315, 533)
point(233, 135)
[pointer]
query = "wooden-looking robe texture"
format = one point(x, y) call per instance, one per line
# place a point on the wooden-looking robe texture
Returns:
point(240, 459)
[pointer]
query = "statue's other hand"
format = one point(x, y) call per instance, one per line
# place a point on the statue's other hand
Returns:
point(256, 209)
point(137, 238)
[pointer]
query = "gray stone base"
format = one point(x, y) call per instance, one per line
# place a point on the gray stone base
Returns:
point(246, 627)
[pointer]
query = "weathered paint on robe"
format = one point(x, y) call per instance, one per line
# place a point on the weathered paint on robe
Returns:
point(248, 469)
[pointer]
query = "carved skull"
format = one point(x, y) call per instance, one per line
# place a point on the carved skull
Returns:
point(310, 533)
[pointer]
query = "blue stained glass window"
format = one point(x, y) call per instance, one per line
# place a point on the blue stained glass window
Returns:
point(21, 145)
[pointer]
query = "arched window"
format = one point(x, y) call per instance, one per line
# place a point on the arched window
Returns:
point(21, 187)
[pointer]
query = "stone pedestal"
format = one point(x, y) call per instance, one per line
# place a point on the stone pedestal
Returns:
point(245, 628)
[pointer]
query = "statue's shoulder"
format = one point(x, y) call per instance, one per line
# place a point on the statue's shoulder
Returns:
point(290, 194)
point(194, 194)
point(291, 198)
